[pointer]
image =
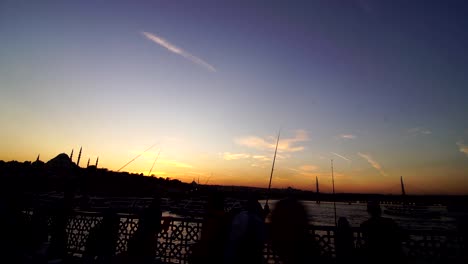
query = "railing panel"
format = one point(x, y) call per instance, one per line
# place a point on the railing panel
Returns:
point(128, 226)
point(78, 229)
point(175, 242)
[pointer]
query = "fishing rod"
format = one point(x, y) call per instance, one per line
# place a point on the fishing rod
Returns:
point(334, 198)
point(157, 157)
point(136, 157)
point(207, 180)
point(272, 168)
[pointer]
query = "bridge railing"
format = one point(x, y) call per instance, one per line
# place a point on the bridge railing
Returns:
point(175, 242)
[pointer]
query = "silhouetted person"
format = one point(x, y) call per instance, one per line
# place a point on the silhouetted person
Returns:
point(247, 236)
point(84, 202)
point(60, 216)
point(382, 237)
point(142, 245)
point(210, 248)
point(462, 226)
point(38, 233)
point(266, 210)
point(13, 238)
point(290, 236)
point(102, 239)
point(344, 241)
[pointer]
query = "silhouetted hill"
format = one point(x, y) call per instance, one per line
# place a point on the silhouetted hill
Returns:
point(60, 173)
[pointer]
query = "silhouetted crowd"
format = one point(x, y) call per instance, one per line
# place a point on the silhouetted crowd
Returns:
point(234, 237)
point(241, 238)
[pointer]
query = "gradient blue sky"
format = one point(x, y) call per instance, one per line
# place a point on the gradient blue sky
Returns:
point(383, 84)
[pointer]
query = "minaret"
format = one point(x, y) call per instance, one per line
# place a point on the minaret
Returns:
point(334, 198)
point(88, 162)
point(97, 160)
point(39, 155)
point(79, 157)
point(71, 156)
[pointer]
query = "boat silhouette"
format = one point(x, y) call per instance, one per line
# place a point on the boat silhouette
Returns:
point(406, 209)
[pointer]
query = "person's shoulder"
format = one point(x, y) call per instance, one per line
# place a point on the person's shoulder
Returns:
point(240, 217)
point(388, 221)
point(366, 223)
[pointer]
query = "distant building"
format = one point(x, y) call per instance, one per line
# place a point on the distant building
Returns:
point(61, 161)
point(194, 185)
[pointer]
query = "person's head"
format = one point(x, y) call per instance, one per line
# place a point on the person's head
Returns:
point(343, 222)
point(155, 203)
point(153, 210)
point(290, 213)
point(373, 208)
point(252, 206)
point(216, 202)
point(69, 194)
point(110, 218)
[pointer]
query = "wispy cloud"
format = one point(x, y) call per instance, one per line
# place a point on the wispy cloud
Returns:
point(235, 156)
point(285, 144)
point(258, 165)
point(259, 161)
point(462, 148)
point(174, 163)
point(261, 158)
point(347, 136)
point(373, 163)
point(419, 131)
point(341, 156)
point(174, 49)
point(308, 168)
point(312, 171)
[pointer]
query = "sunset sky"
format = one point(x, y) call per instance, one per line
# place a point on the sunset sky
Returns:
point(380, 87)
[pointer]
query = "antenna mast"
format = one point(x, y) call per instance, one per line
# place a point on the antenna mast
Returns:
point(334, 198)
point(272, 168)
point(317, 190)
point(316, 185)
point(403, 193)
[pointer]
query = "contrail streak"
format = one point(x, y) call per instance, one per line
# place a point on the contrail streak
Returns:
point(373, 163)
point(174, 49)
point(343, 157)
